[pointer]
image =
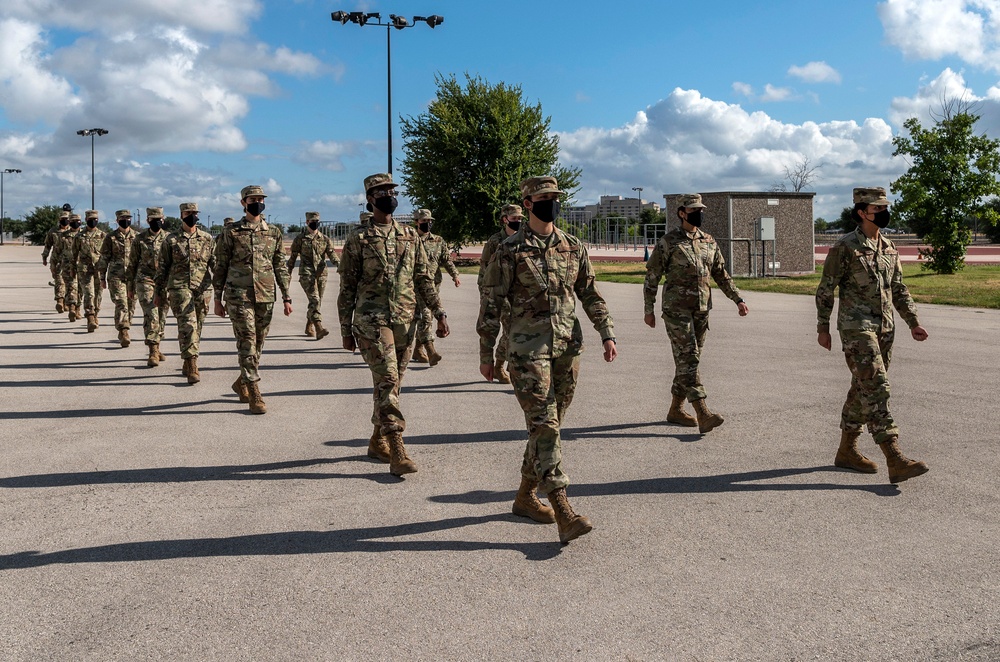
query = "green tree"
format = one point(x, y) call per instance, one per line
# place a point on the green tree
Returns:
point(650, 216)
point(466, 156)
point(952, 172)
point(38, 223)
point(14, 226)
point(820, 225)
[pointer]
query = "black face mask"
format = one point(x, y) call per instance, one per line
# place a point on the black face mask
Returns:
point(386, 205)
point(514, 225)
point(91, 222)
point(255, 208)
point(546, 211)
point(882, 219)
point(75, 225)
point(124, 222)
point(155, 224)
point(369, 207)
point(313, 225)
point(694, 218)
point(424, 227)
point(63, 222)
point(191, 220)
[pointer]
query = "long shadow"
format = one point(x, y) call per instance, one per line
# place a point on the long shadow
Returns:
point(738, 482)
point(368, 539)
point(147, 410)
point(195, 474)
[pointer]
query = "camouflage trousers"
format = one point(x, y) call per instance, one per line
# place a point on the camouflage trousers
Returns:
point(66, 288)
point(90, 280)
point(387, 351)
point(189, 309)
point(154, 318)
point(544, 389)
point(251, 324)
point(425, 319)
point(123, 296)
point(687, 331)
point(868, 354)
point(58, 284)
point(314, 287)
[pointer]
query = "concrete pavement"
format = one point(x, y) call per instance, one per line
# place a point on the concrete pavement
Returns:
point(147, 519)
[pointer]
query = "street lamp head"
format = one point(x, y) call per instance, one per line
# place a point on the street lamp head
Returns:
point(398, 22)
point(8, 170)
point(341, 17)
point(100, 132)
point(432, 21)
point(83, 132)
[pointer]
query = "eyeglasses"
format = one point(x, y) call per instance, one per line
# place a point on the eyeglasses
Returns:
point(383, 192)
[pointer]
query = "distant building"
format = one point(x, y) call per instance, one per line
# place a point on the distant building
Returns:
point(610, 206)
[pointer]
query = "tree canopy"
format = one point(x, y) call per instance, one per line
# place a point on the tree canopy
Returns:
point(465, 157)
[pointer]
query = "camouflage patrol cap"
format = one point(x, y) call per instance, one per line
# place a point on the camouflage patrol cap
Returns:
point(63, 214)
point(871, 196)
point(121, 213)
point(422, 215)
point(154, 212)
point(690, 200)
point(312, 216)
point(365, 216)
point(228, 220)
point(91, 213)
point(512, 210)
point(253, 189)
point(189, 206)
point(74, 217)
point(538, 185)
point(378, 179)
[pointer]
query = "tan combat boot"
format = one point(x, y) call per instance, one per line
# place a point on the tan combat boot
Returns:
point(257, 405)
point(399, 461)
point(900, 467)
point(499, 373)
point(527, 504)
point(240, 389)
point(185, 366)
point(192, 373)
point(160, 355)
point(432, 356)
point(309, 330)
point(378, 447)
point(60, 308)
point(571, 525)
point(123, 338)
point(706, 419)
point(321, 331)
point(676, 413)
point(72, 312)
point(848, 455)
point(91, 323)
point(154, 357)
point(419, 354)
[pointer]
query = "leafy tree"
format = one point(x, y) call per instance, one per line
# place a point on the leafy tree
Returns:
point(820, 225)
point(952, 172)
point(992, 230)
point(466, 156)
point(171, 223)
point(40, 221)
point(650, 216)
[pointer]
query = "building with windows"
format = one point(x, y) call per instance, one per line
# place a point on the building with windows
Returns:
point(610, 206)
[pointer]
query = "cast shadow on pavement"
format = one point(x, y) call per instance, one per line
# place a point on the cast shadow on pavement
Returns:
point(195, 474)
point(366, 540)
point(145, 410)
point(738, 482)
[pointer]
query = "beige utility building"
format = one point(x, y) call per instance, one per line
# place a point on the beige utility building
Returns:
point(759, 233)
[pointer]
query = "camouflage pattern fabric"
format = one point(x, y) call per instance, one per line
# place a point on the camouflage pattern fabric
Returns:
point(143, 263)
point(50, 241)
point(687, 332)
point(115, 252)
point(438, 256)
point(488, 250)
point(686, 263)
point(251, 324)
point(387, 351)
point(868, 354)
point(154, 318)
point(189, 309)
point(183, 275)
point(62, 255)
point(87, 254)
point(315, 248)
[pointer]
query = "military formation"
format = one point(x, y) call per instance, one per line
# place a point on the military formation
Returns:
point(531, 277)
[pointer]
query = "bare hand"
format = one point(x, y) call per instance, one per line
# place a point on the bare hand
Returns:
point(743, 308)
point(650, 320)
point(45, 262)
point(443, 331)
point(457, 281)
point(350, 344)
point(486, 370)
point(825, 341)
point(156, 300)
point(288, 309)
point(610, 350)
point(220, 310)
point(919, 333)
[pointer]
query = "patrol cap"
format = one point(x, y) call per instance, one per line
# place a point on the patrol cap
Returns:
point(154, 212)
point(689, 200)
point(121, 213)
point(253, 189)
point(871, 196)
point(189, 206)
point(512, 210)
point(422, 215)
point(538, 185)
point(91, 213)
point(312, 216)
point(74, 217)
point(378, 179)
point(63, 214)
point(365, 216)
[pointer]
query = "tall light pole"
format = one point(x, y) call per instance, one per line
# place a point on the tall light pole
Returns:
point(639, 189)
point(398, 22)
point(5, 171)
point(92, 133)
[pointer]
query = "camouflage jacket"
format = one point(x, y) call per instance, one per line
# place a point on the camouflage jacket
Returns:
point(685, 264)
point(316, 248)
point(489, 248)
point(541, 277)
point(186, 262)
point(50, 241)
point(870, 279)
point(380, 277)
point(62, 249)
point(87, 249)
point(249, 258)
point(438, 256)
point(144, 258)
point(115, 252)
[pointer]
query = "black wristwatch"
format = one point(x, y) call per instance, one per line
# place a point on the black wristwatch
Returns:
point(287, 300)
point(440, 316)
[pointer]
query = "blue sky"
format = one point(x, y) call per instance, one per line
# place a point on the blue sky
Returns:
point(205, 96)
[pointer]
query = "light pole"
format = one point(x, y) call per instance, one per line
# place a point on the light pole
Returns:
point(92, 133)
point(639, 189)
point(398, 22)
point(5, 171)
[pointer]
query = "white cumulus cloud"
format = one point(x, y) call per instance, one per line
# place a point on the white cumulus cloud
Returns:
point(815, 72)
point(932, 29)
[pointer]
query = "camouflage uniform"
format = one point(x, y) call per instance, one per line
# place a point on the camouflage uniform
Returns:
point(382, 269)
point(144, 261)
point(316, 248)
point(249, 258)
point(870, 279)
point(87, 255)
point(62, 258)
point(183, 275)
point(115, 253)
point(51, 241)
point(492, 244)
point(438, 256)
point(685, 262)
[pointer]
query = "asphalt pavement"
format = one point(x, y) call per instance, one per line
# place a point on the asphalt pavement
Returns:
point(146, 519)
